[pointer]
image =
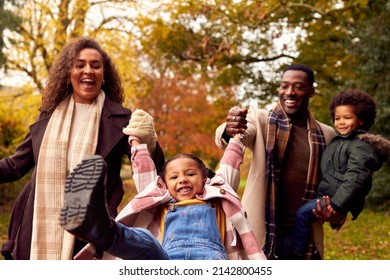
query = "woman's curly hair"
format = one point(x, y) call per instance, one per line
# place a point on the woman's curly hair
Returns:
point(58, 84)
point(364, 105)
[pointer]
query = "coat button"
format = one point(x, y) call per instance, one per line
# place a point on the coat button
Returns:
point(222, 191)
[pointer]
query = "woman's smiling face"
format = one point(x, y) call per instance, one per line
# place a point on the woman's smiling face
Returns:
point(87, 75)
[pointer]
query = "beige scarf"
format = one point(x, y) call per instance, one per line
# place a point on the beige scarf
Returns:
point(49, 240)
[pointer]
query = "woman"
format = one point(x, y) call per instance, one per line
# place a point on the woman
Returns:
point(81, 115)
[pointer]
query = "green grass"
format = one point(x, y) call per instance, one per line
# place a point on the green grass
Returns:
point(366, 238)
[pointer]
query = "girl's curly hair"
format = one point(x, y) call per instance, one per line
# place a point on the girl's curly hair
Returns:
point(58, 84)
point(364, 105)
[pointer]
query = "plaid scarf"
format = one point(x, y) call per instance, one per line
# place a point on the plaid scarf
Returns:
point(278, 133)
point(49, 240)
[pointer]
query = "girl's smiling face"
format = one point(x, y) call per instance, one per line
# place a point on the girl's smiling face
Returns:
point(184, 178)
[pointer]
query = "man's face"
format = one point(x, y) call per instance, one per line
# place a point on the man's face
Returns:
point(295, 92)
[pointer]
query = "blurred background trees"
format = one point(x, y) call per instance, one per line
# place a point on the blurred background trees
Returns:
point(188, 61)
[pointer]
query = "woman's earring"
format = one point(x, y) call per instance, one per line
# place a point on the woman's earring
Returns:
point(103, 82)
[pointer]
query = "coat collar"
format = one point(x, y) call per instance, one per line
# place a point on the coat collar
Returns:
point(351, 135)
point(114, 118)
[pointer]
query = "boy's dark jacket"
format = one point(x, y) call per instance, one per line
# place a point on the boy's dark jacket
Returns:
point(347, 166)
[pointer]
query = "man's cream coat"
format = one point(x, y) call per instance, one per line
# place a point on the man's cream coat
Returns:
point(253, 199)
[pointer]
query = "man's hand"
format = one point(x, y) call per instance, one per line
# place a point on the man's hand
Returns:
point(325, 213)
point(236, 121)
point(322, 211)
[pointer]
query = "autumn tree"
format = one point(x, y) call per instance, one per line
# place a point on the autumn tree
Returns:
point(229, 51)
point(353, 52)
point(32, 46)
point(185, 117)
point(228, 43)
point(8, 20)
point(43, 29)
point(15, 119)
point(46, 26)
point(334, 39)
point(246, 43)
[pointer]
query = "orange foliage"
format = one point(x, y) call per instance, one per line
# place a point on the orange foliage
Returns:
point(185, 117)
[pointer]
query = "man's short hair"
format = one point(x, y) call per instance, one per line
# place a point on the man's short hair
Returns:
point(304, 68)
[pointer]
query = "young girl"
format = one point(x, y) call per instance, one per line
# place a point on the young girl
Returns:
point(181, 214)
point(346, 165)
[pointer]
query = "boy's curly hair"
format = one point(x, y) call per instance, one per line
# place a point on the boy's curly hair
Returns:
point(363, 103)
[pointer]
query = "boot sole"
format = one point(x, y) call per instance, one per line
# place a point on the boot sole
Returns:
point(79, 187)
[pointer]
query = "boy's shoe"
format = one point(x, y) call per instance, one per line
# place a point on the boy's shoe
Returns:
point(85, 213)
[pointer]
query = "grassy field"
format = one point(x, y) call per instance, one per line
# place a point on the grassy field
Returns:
point(367, 238)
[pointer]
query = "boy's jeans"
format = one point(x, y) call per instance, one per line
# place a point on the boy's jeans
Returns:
point(302, 230)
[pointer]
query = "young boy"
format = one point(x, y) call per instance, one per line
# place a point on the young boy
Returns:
point(346, 165)
point(181, 214)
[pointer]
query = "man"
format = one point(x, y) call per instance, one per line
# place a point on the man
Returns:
point(287, 144)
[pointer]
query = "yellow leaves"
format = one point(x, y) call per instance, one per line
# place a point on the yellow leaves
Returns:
point(18, 109)
point(48, 25)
